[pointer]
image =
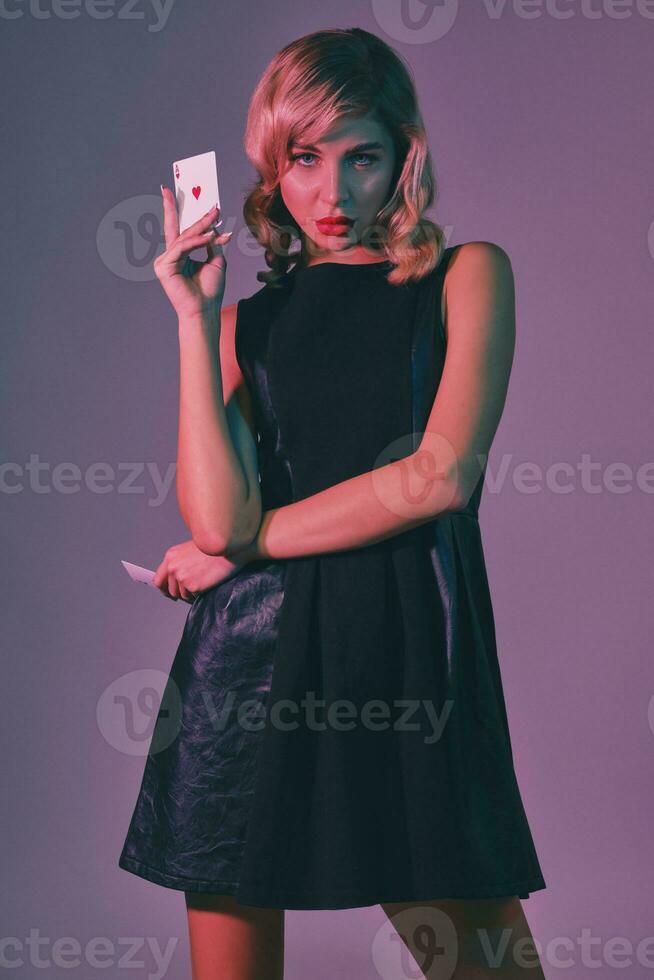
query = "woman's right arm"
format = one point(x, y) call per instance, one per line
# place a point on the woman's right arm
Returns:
point(217, 491)
point(221, 458)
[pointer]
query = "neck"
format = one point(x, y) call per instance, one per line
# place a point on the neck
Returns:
point(351, 257)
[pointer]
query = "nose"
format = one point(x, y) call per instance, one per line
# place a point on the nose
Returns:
point(334, 189)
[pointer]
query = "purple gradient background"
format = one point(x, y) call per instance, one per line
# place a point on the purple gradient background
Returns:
point(542, 140)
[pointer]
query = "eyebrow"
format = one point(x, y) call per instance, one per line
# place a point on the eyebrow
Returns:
point(359, 148)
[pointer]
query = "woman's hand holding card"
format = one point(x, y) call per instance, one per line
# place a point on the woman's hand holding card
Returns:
point(194, 288)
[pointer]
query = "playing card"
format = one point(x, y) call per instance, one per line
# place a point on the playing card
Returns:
point(196, 187)
point(138, 574)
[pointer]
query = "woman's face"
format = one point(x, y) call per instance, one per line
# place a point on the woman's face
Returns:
point(348, 172)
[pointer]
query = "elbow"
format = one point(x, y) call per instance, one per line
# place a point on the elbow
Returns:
point(454, 492)
point(443, 488)
point(209, 539)
point(209, 543)
point(236, 535)
point(463, 491)
point(214, 543)
point(460, 500)
point(457, 498)
point(436, 483)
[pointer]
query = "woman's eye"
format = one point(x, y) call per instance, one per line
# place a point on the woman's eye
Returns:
point(356, 156)
point(367, 157)
point(298, 156)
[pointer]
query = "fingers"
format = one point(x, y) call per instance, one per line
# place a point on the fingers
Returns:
point(173, 587)
point(214, 247)
point(163, 579)
point(202, 224)
point(171, 221)
point(184, 245)
point(167, 582)
point(178, 591)
point(160, 578)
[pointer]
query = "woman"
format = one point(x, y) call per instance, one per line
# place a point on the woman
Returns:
point(333, 433)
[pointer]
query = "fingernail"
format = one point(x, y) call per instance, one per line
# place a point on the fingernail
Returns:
point(162, 188)
point(228, 234)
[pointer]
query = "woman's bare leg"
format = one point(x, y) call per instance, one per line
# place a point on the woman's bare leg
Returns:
point(469, 955)
point(230, 941)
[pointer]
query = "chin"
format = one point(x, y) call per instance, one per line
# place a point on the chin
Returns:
point(336, 242)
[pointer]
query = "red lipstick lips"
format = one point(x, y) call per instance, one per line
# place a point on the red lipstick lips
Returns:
point(334, 224)
point(337, 219)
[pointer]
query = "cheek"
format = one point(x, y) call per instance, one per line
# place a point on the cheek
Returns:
point(375, 188)
point(295, 193)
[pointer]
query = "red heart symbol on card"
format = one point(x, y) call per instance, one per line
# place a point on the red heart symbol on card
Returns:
point(196, 191)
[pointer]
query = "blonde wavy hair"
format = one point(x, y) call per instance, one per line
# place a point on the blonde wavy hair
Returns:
point(324, 77)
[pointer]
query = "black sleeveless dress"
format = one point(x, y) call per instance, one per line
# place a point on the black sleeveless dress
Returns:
point(333, 733)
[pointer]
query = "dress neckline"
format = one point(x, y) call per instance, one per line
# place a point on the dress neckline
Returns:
point(346, 265)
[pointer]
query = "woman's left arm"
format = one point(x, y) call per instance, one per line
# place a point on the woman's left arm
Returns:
point(441, 474)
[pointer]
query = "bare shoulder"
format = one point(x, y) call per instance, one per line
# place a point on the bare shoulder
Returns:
point(477, 262)
point(478, 276)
